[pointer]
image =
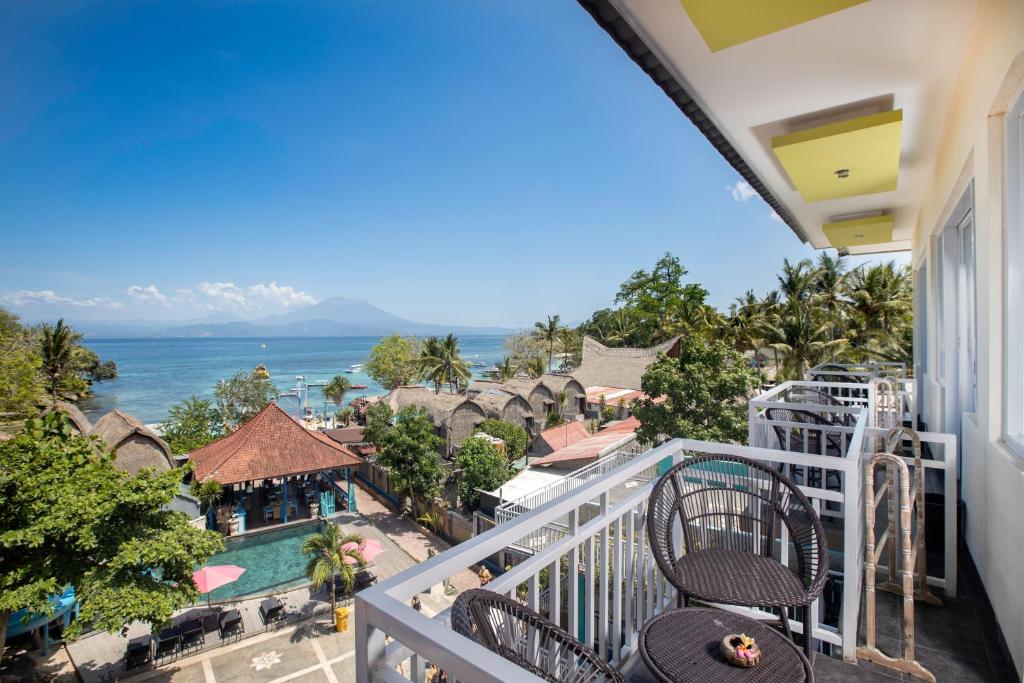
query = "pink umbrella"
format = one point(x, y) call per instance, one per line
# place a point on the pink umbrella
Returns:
point(370, 548)
point(211, 578)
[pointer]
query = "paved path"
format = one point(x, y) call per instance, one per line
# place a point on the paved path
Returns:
point(307, 648)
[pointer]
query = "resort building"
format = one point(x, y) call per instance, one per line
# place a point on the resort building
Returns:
point(618, 367)
point(550, 440)
point(869, 127)
point(455, 416)
point(135, 445)
point(275, 470)
point(511, 408)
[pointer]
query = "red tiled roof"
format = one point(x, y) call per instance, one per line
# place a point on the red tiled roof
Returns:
point(346, 434)
point(592, 446)
point(564, 435)
point(269, 445)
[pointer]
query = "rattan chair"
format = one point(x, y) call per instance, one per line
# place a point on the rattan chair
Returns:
point(714, 524)
point(524, 637)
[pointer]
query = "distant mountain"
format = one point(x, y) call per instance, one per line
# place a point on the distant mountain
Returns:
point(334, 317)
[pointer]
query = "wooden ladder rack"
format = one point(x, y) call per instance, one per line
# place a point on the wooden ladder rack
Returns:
point(906, 545)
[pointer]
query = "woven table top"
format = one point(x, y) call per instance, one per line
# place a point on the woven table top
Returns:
point(682, 646)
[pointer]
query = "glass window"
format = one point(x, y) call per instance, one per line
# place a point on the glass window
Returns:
point(1014, 285)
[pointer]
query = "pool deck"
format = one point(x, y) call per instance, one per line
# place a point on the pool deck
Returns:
point(100, 656)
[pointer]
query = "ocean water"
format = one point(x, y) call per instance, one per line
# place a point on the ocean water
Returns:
point(154, 374)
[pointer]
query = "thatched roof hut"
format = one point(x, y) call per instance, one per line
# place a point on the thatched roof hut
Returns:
point(574, 390)
point(618, 367)
point(135, 446)
point(511, 408)
point(74, 413)
point(455, 416)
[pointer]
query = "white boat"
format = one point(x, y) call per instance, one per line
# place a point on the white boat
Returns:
point(355, 367)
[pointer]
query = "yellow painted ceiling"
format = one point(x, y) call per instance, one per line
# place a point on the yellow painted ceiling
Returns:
point(859, 231)
point(724, 23)
point(866, 149)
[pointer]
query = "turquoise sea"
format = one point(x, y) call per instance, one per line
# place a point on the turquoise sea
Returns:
point(154, 374)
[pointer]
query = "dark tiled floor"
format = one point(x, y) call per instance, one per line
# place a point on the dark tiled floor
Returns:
point(956, 642)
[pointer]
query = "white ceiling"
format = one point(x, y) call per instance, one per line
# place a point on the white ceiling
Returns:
point(900, 54)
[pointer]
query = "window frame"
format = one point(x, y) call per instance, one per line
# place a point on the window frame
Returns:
point(1013, 342)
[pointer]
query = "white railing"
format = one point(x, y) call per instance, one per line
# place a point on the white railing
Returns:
point(511, 509)
point(856, 372)
point(600, 582)
point(824, 418)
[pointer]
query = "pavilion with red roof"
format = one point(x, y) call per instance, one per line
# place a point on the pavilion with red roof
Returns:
point(276, 469)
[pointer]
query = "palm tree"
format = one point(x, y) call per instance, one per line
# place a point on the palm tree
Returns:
point(327, 558)
point(431, 364)
point(881, 304)
point(345, 416)
point(535, 367)
point(506, 370)
point(548, 332)
point(336, 388)
point(441, 363)
point(58, 346)
point(830, 292)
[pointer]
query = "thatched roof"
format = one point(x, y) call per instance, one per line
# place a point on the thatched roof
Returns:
point(345, 434)
point(74, 413)
point(558, 383)
point(135, 444)
point(494, 404)
point(269, 446)
point(611, 367)
point(439, 406)
point(479, 385)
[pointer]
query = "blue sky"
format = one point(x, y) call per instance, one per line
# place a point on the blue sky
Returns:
point(452, 162)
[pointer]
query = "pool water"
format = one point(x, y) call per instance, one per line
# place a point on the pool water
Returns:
point(273, 561)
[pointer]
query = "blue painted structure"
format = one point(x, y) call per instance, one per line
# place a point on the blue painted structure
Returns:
point(63, 605)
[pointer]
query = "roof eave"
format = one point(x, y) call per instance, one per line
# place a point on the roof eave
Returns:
point(611, 20)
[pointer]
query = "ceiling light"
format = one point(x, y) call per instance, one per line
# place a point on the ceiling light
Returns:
point(843, 173)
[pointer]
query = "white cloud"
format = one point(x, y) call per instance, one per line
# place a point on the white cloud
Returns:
point(147, 295)
point(776, 217)
point(741, 191)
point(225, 293)
point(282, 295)
point(26, 297)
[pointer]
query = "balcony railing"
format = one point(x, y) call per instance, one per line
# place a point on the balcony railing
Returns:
point(599, 579)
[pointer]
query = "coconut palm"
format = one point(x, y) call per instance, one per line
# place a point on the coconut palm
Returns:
point(506, 370)
point(431, 363)
point(329, 558)
point(548, 332)
point(344, 416)
point(830, 292)
point(441, 363)
point(336, 388)
point(881, 305)
point(58, 347)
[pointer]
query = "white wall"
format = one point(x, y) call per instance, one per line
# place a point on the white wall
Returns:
point(992, 483)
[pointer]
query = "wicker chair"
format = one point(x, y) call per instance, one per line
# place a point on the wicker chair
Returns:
point(795, 440)
point(713, 523)
point(520, 635)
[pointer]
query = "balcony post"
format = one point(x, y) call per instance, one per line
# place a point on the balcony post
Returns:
point(572, 582)
point(370, 648)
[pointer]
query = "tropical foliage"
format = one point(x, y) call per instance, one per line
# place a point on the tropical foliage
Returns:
point(335, 389)
point(483, 467)
point(440, 362)
point(68, 516)
point(515, 437)
point(378, 420)
point(192, 424)
point(394, 362)
point(332, 553)
point(409, 450)
point(20, 365)
point(702, 394)
point(240, 398)
point(548, 332)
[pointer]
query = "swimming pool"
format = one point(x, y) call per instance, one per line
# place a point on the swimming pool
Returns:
point(273, 561)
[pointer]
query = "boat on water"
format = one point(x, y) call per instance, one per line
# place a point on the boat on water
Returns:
point(355, 367)
point(317, 383)
point(290, 392)
point(358, 386)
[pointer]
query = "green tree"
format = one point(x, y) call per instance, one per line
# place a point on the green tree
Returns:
point(483, 467)
point(329, 557)
point(706, 391)
point(344, 416)
point(240, 398)
point(336, 388)
point(57, 349)
point(409, 451)
point(393, 362)
point(661, 305)
point(515, 437)
point(20, 364)
point(506, 370)
point(535, 367)
point(441, 363)
point(69, 517)
point(208, 492)
point(191, 424)
point(378, 421)
point(554, 419)
point(547, 332)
